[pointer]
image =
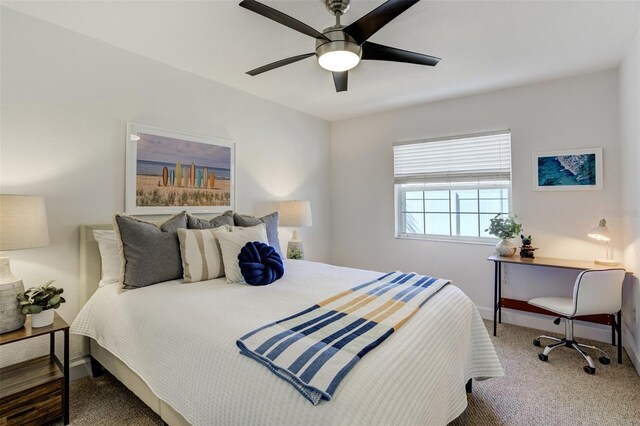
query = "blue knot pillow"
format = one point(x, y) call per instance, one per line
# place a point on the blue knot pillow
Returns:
point(260, 264)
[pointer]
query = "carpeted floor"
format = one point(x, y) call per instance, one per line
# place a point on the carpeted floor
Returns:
point(557, 392)
point(532, 392)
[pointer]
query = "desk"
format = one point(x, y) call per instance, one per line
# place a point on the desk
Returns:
point(615, 321)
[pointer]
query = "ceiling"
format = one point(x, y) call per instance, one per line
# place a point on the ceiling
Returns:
point(485, 45)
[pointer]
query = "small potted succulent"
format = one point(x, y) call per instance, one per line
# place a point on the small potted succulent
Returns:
point(295, 253)
point(505, 228)
point(40, 303)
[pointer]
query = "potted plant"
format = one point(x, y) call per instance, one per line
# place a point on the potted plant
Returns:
point(505, 228)
point(40, 303)
point(295, 253)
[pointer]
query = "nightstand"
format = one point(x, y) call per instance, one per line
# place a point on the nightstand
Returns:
point(36, 391)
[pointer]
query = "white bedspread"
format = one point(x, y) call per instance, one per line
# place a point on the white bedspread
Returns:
point(180, 339)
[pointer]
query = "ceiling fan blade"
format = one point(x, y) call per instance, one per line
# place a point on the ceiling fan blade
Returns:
point(340, 79)
point(278, 64)
point(378, 52)
point(281, 18)
point(370, 23)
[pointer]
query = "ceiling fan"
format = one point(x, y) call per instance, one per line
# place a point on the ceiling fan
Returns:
point(340, 48)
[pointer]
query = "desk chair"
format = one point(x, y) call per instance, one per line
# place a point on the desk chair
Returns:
point(595, 292)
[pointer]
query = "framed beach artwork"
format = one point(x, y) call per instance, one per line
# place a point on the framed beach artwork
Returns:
point(168, 171)
point(576, 169)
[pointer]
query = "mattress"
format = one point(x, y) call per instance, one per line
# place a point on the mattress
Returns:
point(180, 339)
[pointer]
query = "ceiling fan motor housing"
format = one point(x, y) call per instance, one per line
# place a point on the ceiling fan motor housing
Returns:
point(339, 40)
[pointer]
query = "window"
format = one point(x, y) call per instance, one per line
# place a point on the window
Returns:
point(450, 188)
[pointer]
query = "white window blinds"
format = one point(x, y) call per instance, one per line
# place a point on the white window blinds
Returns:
point(483, 157)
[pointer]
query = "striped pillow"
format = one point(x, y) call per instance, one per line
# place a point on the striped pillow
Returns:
point(201, 255)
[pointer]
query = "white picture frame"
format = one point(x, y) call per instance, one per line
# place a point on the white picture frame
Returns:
point(204, 182)
point(568, 170)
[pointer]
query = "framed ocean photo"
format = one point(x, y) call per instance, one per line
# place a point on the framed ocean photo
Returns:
point(168, 172)
point(577, 169)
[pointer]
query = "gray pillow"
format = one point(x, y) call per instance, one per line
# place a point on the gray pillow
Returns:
point(150, 251)
point(194, 222)
point(271, 222)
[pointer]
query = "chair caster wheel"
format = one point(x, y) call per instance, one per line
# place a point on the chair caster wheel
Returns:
point(589, 370)
point(604, 360)
point(543, 357)
point(536, 342)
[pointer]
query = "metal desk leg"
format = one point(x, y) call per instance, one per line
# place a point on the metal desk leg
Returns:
point(52, 343)
point(66, 376)
point(500, 293)
point(619, 330)
point(495, 298)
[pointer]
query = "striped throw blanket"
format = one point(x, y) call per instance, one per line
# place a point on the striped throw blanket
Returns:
point(314, 349)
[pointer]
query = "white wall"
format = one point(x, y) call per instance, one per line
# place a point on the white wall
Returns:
point(577, 112)
point(65, 101)
point(630, 138)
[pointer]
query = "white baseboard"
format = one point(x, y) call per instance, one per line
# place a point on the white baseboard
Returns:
point(598, 332)
point(79, 368)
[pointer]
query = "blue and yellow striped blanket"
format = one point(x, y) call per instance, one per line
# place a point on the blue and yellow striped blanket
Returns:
point(314, 349)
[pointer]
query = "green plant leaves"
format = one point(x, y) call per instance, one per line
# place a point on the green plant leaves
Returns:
point(55, 300)
point(294, 253)
point(37, 299)
point(32, 309)
point(504, 227)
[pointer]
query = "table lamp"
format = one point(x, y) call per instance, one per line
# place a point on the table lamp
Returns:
point(601, 233)
point(23, 225)
point(295, 214)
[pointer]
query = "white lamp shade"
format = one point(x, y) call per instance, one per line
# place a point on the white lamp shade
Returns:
point(600, 232)
point(295, 213)
point(23, 222)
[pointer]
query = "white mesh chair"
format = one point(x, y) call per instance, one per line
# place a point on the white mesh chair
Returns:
point(595, 292)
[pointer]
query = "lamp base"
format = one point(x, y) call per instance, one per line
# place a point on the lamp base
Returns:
point(6, 277)
point(11, 317)
point(608, 262)
point(295, 250)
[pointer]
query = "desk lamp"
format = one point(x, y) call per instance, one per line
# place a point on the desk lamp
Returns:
point(23, 225)
point(601, 233)
point(295, 214)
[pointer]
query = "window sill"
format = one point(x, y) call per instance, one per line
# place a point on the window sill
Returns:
point(444, 239)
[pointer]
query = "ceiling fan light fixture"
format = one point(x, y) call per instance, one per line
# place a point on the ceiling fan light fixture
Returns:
point(340, 53)
point(339, 60)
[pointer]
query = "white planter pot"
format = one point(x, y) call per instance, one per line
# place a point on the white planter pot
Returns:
point(506, 248)
point(42, 319)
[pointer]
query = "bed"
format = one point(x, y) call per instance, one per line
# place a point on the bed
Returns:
point(173, 345)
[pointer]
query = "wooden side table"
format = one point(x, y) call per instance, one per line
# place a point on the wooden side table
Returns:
point(36, 391)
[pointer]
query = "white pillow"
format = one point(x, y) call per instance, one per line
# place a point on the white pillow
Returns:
point(232, 242)
point(201, 255)
point(109, 255)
